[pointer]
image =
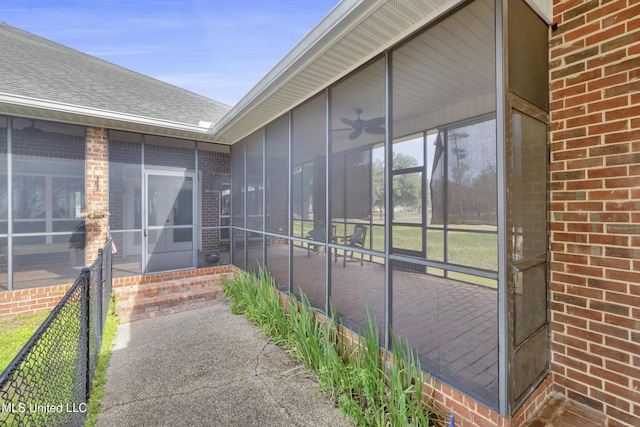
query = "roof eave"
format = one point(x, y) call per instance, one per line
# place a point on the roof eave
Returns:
point(265, 101)
point(86, 116)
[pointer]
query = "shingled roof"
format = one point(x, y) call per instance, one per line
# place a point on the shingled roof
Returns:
point(42, 75)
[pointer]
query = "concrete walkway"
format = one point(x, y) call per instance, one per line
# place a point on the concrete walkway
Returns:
point(208, 367)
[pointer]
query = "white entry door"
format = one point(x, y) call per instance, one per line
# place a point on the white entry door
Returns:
point(169, 231)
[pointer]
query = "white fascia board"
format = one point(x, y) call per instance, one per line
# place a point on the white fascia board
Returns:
point(59, 107)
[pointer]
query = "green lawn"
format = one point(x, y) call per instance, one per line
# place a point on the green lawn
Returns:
point(14, 334)
point(56, 389)
point(472, 246)
point(48, 373)
point(97, 387)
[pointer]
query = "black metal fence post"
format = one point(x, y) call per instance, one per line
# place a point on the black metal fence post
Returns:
point(100, 291)
point(86, 313)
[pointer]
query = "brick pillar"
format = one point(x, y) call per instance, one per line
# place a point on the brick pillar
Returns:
point(97, 191)
point(595, 205)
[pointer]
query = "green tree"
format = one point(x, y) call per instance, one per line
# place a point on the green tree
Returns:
point(378, 184)
point(407, 187)
point(458, 174)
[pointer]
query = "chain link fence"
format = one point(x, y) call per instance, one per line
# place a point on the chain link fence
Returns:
point(48, 382)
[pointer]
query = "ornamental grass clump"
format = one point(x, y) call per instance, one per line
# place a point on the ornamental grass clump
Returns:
point(370, 386)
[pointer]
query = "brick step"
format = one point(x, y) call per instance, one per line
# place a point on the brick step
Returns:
point(158, 299)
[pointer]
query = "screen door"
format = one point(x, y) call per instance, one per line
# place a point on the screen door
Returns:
point(169, 232)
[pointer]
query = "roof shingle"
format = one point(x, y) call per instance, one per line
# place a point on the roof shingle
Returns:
point(39, 68)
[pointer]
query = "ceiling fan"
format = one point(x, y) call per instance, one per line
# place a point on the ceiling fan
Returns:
point(31, 131)
point(357, 126)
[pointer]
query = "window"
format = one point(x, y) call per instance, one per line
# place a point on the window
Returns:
point(46, 201)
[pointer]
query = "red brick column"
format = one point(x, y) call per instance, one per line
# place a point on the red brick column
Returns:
point(97, 191)
point(595, 205)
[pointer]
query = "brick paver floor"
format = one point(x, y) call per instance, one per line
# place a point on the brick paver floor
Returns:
point(452, 325)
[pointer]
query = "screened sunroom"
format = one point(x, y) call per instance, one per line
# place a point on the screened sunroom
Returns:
point(412, 187)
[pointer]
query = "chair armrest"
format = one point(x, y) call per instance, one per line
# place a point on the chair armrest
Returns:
point(316, 234)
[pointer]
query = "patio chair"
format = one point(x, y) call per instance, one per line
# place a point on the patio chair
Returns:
point(318, 234)
point(356, 240)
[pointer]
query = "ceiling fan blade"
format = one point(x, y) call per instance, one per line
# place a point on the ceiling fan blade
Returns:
point(376, 130)
point(347, 121)
point(356, 133)
point(374, 125)
point(376, 121)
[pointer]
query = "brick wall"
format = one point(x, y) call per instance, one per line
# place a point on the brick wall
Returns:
point(125, 164)
point(595, 205)
point(181, 289)
point(97, 190)
point(212, 165)
point(30, 301)
point(142, 297)
point(469, 413)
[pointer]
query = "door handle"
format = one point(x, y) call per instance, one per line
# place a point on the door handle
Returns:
point(145, 232)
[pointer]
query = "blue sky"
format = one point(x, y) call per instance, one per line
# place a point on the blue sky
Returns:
point(219, 49)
